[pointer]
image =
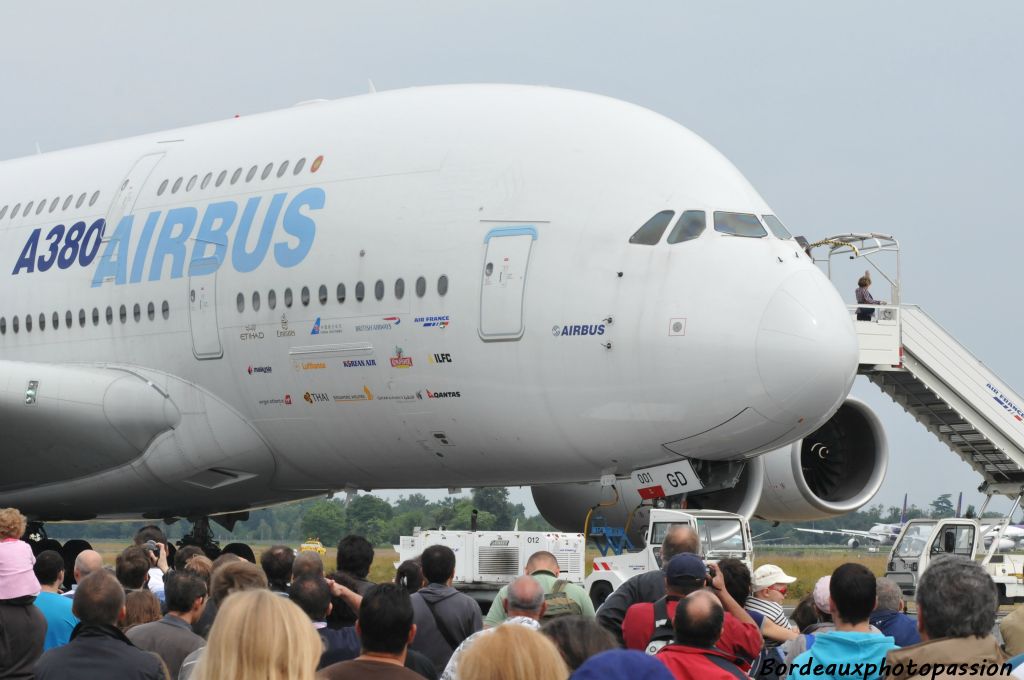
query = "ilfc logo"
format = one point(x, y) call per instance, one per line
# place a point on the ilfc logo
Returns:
point(586, 329)
point(442, 358)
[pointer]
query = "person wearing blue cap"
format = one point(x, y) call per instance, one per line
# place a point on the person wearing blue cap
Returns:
point(648, 626)
point(621, 664)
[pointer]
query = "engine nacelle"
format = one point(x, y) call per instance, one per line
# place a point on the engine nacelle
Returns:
point(835, 470)
point(853, 543)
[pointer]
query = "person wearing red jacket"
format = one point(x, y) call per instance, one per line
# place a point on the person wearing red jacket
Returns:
point(698, 624)
point(648, 626)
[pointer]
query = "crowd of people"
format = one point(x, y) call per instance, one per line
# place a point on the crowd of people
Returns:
point(189, 614)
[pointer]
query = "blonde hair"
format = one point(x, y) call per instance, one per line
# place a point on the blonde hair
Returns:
point(12, 523)
point(512, 652)
point(260, 636)
point(864, 280)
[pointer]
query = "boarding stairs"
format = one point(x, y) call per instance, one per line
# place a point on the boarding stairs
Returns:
point(937, 380)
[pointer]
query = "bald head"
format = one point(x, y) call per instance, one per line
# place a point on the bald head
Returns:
point(525, 598)
point(542, 560)
point(87, 562)
point(679, 539)
point(698, 620)
point(307, 565)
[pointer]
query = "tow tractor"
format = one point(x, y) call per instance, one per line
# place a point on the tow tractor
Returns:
point(922, 540)
point(722, 535)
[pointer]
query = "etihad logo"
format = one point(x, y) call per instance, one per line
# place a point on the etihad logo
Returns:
point(284, 331)
point(443, 358)
point(358, 363)
point(251, 332)
point(313, 365)
point(433, 321)
point(365, 395)
point(316, 398)
point(260, 369)
point(441, 395)
point(385, 324)
point(325, 328)
point(585, 329)
point(399, 361)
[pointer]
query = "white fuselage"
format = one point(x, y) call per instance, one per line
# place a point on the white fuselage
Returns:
point(559, 351)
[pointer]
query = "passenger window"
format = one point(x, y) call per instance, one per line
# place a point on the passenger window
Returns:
point(442, 285)
point(165, 309)
point(301, 163)
point(136, 312)
point(341, 293)
point(42, 206)
point(220, 178)
point(28, 323)
point(95, 317)
point(739, 224)
point(80, 201)
point(28, 210)
point(151, 311)
point(378, 290)
point(110, 315)
point(67, 202)
point(399, 289)
point(3, 326)
point(421, 287)
point(42, 322)
point(3, 211)
point(360, 291)
point(776, 227)
point(283, 169)
point(68, 319)
point(206, 180)
point(239, 302)
point(235, 175)
point(322, 294)
point(272, 299)
point(267, 170)
point(122, 314)
point(176, 185)
point(162, 188)
point(690, 225)
point(288, 297)
point(54, 203)
point(192, 183)
point(255, 301)
point(14, 323)
point(14, 213)
point(650, 233)
point(252, 173)
point(95, 197)
point(56, 321)
point(81, 318)
point(305, 296)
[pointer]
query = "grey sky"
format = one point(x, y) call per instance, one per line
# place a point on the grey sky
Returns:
point(893, 117)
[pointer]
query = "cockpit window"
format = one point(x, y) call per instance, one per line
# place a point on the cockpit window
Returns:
point(650, 233)
point(776, 226)
point(739, 224)
point(690, 225)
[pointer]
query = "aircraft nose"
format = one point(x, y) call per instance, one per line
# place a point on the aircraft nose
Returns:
point(806, 348)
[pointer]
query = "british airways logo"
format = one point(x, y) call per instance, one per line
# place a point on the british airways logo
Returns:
point(156, 248)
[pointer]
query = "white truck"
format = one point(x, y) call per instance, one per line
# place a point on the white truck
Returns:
point(722, 535)
point(922, 540)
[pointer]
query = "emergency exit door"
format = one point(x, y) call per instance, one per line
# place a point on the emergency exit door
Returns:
point(202, 308)
point(503, 282)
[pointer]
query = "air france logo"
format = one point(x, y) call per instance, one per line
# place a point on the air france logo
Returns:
point(586, 329)
point(1010, 407)
point(157, 250)
point(433, 321)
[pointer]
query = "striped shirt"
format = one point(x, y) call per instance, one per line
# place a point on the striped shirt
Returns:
point(770, 610)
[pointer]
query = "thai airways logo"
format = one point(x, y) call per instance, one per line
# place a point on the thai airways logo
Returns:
point(385, 324)
point(433, 321)
point(441, 358)
point(441, 395)
point(575, 330)
point(327, 328)
point(365, 395)
point(260, 369)
point(399, 360)
point(1003, 401)
point(284, 331)
point(316, 398)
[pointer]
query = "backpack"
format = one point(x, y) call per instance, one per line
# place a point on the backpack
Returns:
point(559, 603)
point(663, 631)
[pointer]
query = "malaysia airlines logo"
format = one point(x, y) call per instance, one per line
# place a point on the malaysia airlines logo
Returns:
point(260, 369)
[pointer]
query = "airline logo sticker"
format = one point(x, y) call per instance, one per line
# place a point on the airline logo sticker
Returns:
point(439, 395)
point(328, 328)
point(181, 241)
point(433, 321)
point(313, 365)
point(365, 395)
point(358, 363)
point(316, 398)
point(250, 332)
point(1003, 401)
point(585, 329)
point(260, 369)
point(400, 361)
point(385, 324)
point(287, 401)
point(442, 358)
point(284, 331)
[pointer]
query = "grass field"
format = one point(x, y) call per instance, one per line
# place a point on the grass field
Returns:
point(807, 565)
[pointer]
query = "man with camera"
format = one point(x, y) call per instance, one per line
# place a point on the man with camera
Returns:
point(648, 626)
point(152, 539)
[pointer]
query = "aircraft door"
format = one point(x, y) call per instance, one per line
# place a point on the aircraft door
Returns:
point(124, 200)
point(202, 308)
point(503, 282)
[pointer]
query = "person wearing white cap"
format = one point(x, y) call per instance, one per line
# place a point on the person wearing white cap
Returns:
point(769, 587)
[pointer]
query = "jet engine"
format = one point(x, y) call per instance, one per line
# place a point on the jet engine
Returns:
point(835, 470)
point(853, 543)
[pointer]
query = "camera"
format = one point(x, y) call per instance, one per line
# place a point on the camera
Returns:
point(711, 573)
point(153, 547)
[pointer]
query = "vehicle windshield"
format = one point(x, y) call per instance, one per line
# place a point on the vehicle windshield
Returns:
point(721, 538)
point(914, 539)
point(659, 530)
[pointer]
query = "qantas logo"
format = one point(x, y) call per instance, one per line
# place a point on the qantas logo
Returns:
point(155, 249)
point(440, 395)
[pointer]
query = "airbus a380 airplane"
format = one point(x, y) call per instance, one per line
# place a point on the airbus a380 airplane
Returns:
point(434, 287)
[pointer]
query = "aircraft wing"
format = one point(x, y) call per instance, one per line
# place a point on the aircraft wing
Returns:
point(842, 532)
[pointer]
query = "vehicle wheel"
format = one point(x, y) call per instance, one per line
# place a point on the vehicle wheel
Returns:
point(1002, 595)
point(599, 592)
